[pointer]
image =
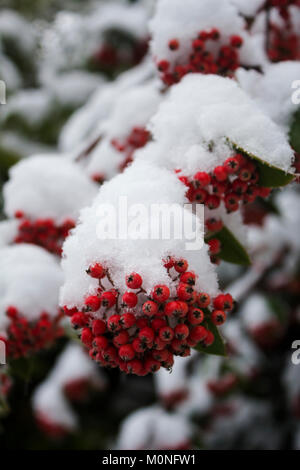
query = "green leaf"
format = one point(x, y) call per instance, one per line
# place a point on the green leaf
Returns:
point(295, 132)
point(269, 175)
point(231, 249)
point(279, 308)
point(218, 347)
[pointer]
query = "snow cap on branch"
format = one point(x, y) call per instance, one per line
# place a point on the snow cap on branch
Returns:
point(47, 186)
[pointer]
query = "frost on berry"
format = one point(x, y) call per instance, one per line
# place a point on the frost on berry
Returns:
point(45, 195)
point(137, 316)
point(29, 312)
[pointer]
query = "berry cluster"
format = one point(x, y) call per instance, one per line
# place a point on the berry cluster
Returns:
point(25, 337)
point(283, 42)
point(201, 59)
point(140, 333)
point(236, 181)
point(50, 429)
point(43, 232)
point(110, 57)
point(138, 138)
point(5, 384)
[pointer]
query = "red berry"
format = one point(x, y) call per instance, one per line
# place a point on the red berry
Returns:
point(198, 45)
point(236, 41)
point(12, 312)
point(113, 323)
point(166, 334)
point(130, 299)
point(163, 65)
point(223, 302)
point(86, 336)
point(138, 345)
point(169, 263)
point(198, 333)
point(126, 352)
point(220, 173)
point(92, 303)
point(68, 311)
point(214, 225)
point(127, 320)
point(213, 202)
point(202, 178)
point(200, 195)
point(108, 299)
point(184, 291)
point(146, 335)
point(181, 265)
point(203, 300)
point(264, 192)
point(121, 338)
point(232, 165)
point(150, 308)
point(184, 308)
point(173, 308)
point(134, 367)
point(134, 281)
point(158, 323)
point(195, 316)
point(214, 246)
point(98, 327)
point(218, 317)
point(97, 271)
point(231, 202)
point(239, 187)
point(100, 343)
point(209, 339)
point(161, 293)
point(78, 320)
point(160, 355)
point(181, 332)
point(174, 44)
point(151, 365)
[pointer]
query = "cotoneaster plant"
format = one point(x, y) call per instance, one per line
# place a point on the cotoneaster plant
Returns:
point(44, 195)
point(137, 303)
point(30, 318)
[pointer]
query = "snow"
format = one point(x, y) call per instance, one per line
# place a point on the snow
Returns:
point(146, 184)
point(255, 311)
point(153, 429)
point(249, 9)
point(204, 109)
point(49, 403)
point(134, 108)
point(47, 186)
point(84, 124)
point(38, 101)
point(49, 400)
point(8, 231)
point(184, 20)
point(29, 280)
point(272, 91)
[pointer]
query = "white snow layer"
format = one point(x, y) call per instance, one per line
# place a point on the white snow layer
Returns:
point(184, 21)
point(210, 109)
point(30, 279)
point(47, 186)
point(145, 184)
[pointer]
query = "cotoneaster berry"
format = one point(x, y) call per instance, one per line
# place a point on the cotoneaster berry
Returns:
point(24, 338)
point(43, 232)
point(140, 332)
point(224, 60)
